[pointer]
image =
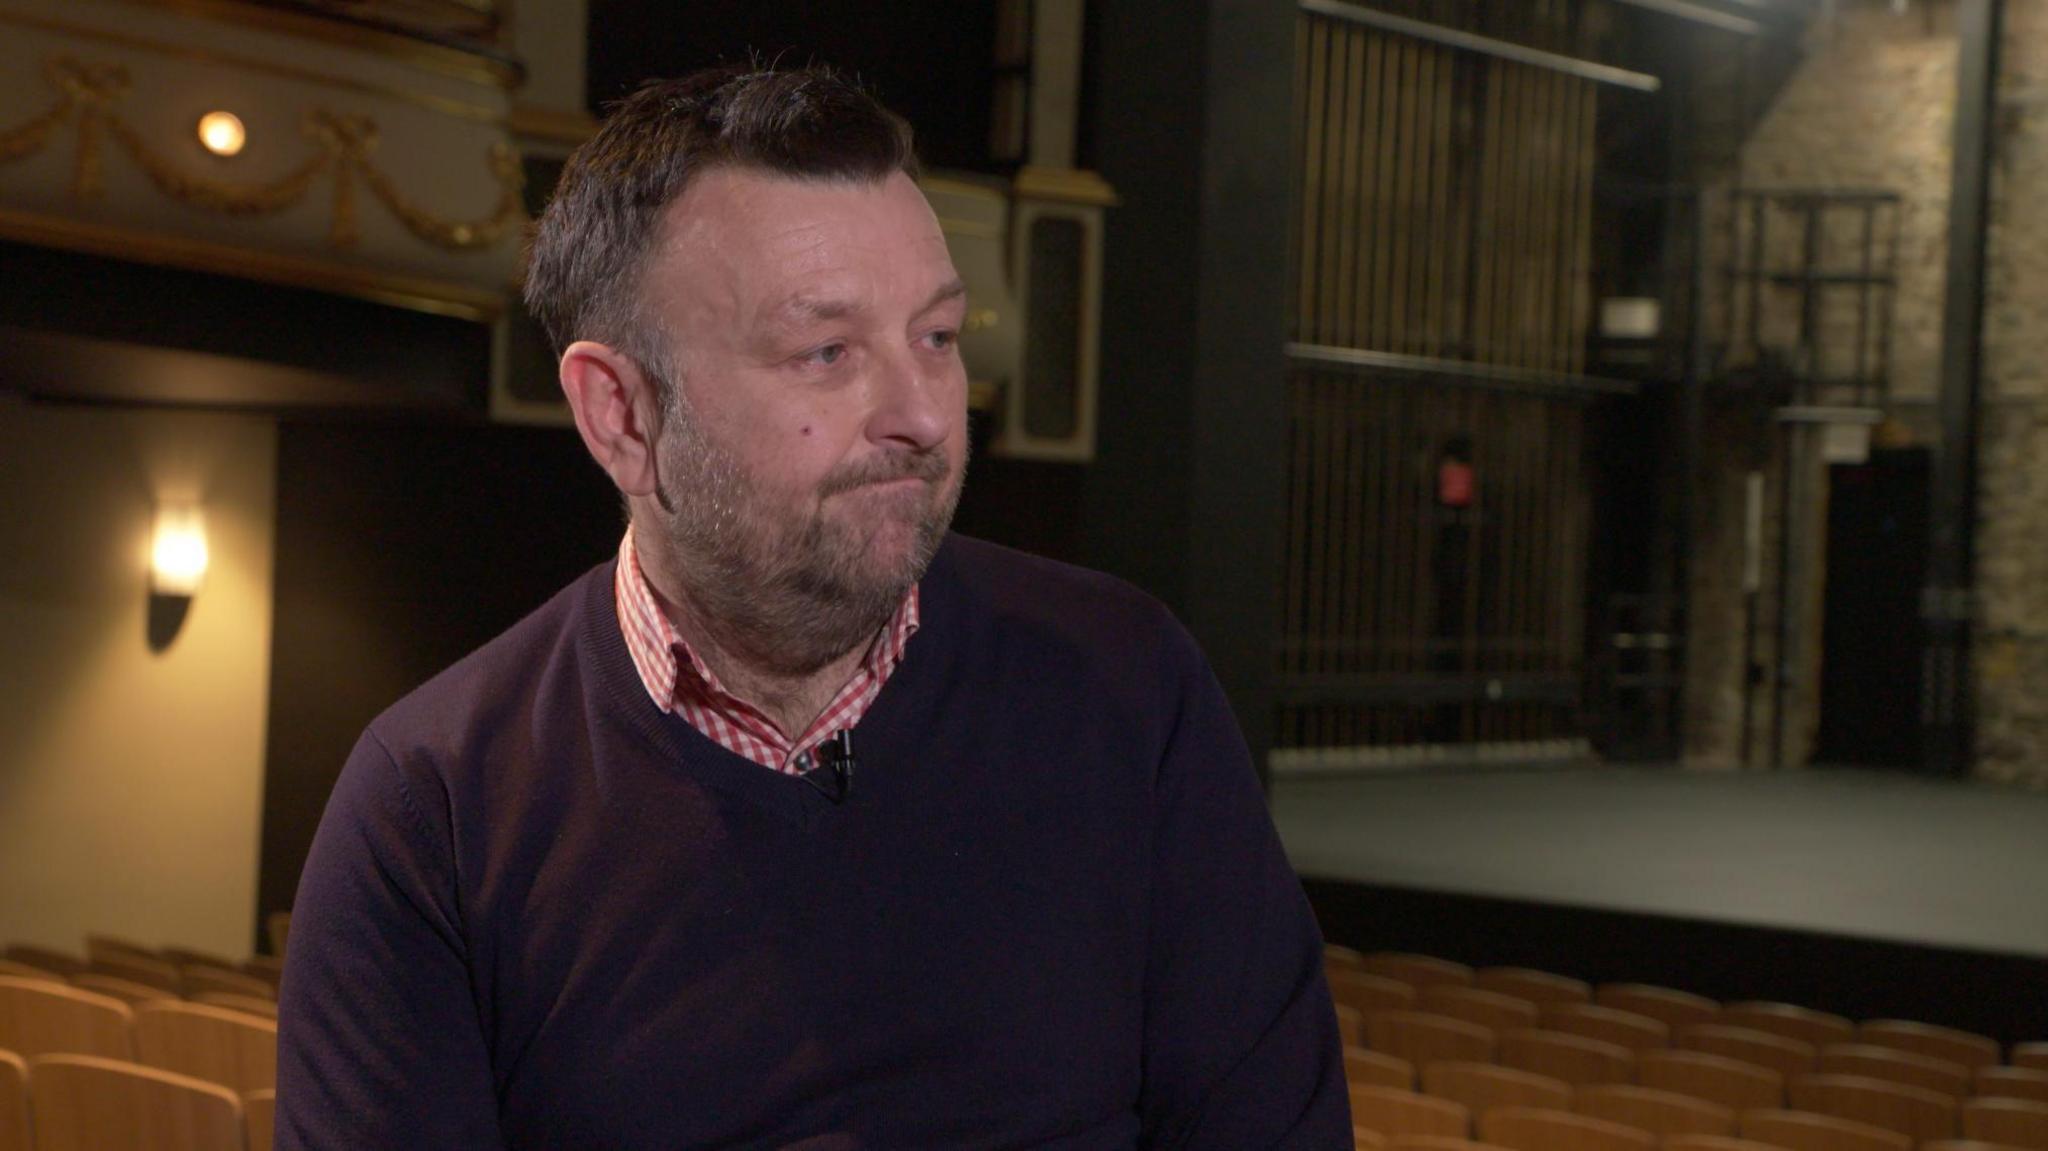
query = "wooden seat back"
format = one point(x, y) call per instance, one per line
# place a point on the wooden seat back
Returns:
point(84, 1103)
point(1714, 1078)
point(1661, 1113)
point(1545, 1129)
point(1422, 1038)
point(259, 1114)
point(2012, 1083)
point(1787, 1057)
point(1482, 1086)
point(1417, 971)
point(1673, 1008)
point(1911, 1111)
point(1368, 992)
point(14, 1132)
point(2015, 1122)
point(1393, 1113)
point(1573, 1058)
point(199, 977)
point(38, 1017)
point(1363, 1067)
point(1807, 1131)
point(210, 1043)
point(1940, 1076)
point(1527, 983)
point(1792, 1021)
point(1622, 1028)
point(1489, 1009)
point(1965, 1047)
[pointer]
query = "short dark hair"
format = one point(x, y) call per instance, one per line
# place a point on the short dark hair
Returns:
point(590, 246)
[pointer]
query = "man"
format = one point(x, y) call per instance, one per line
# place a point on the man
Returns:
point(800, 824)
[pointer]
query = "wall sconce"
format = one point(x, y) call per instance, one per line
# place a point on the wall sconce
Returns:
point(177, 552)
point(222, 133)
point(177, 566)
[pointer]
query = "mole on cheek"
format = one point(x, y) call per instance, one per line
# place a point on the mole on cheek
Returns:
point(806, 430)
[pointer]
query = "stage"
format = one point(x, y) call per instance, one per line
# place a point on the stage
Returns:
point(1865, 893)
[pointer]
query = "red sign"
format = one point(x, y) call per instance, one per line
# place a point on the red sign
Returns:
point(1455, 483)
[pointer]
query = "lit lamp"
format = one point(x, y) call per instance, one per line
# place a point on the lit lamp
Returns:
point(177, 553)
point(222, 134)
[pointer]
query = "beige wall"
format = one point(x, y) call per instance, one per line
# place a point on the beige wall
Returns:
point(130, 779)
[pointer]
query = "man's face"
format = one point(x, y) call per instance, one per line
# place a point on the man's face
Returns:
point(813, 454)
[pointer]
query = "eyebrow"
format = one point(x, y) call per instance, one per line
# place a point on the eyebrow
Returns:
point(800, 310)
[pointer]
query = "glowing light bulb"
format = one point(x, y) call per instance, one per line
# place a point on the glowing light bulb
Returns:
point(222, 134)
point(177, 554)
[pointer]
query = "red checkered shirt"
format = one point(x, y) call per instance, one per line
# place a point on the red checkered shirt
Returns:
point(681, 683)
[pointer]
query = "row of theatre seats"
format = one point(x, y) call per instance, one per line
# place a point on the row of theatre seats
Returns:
point(1442, 1057)
point(129, 1047)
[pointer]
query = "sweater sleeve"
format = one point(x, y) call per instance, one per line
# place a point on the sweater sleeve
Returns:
point(1241, 1044)
point(379, 1043)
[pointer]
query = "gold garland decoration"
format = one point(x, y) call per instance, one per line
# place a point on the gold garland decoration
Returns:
point(344, 144)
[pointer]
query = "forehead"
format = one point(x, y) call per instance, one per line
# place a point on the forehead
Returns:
point(743, 233)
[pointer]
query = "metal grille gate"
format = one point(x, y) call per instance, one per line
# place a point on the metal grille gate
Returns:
point(1437, 504)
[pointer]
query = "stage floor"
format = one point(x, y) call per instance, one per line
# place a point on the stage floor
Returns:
point(1868, 855)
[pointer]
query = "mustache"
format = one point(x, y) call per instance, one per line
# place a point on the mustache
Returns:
point(927, 465)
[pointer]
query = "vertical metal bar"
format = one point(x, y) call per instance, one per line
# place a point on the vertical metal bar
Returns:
point(1348, 148)
point(1313, 77)
point(1865, 269)
point(1951, 568)
point(1402, 201)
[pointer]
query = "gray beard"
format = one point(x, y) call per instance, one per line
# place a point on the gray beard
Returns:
point(787, 597)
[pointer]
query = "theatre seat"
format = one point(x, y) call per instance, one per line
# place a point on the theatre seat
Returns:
point(1367, 992)
point(2012, 1083)
point(2015, 1122)
point(1482, 1086)
point(1489, 1009)
point(210, 1043)
point(1673, 1008)
point(1661, 1113)
point(1392, 1113)
point(14, 1133)
point(1964, 1047)
point(84, 1103)
point(1787, 1057)
point(1926, 1072)
point(1544, 1129)
point(1422, 1038)
point(1575, 1059)
point(1417, 971)
point(1714, 1078)
point(259, 1117)
point(1807, 1131)
point(1538, 987)
point(1816, 1028)
point(1377, 1069)
point(1621, 1028)
point(1911, 1111)
point(42, 1018)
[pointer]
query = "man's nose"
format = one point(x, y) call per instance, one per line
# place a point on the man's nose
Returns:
point(912, 403)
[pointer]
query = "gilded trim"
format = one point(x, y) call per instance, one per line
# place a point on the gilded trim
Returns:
point(428, 100)
point(471, 66)
point(344, 145)
point(551, 124)
point(1066, 185)
point(435, 297)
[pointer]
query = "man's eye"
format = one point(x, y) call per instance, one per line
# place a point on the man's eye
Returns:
point(943, 339)
point(828, 355)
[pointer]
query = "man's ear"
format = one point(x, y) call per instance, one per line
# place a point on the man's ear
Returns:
point(617, 409)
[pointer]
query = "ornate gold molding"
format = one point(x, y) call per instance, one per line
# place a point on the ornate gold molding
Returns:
point(429, 100)
point(88, 93)
point(475, 67)
point(419, 294)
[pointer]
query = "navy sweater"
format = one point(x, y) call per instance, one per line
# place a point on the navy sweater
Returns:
point(1052, 913)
